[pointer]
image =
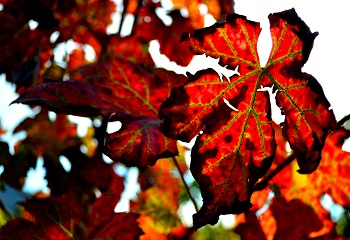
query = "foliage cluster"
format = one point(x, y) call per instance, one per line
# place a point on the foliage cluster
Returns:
point(240, 162)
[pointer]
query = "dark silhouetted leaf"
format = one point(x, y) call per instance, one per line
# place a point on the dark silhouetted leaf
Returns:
point(251, 229)
point(295, 219)
point(168, 36)
point(68, 217)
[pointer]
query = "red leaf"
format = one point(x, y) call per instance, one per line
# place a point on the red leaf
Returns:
point(169, 40)
point(119, 87)
point(98, 173)
point(119, 226)
point(107, 87)
point(104, 223)
point(251, 229)
point(11, 230)
point(139, 143)
point(67, 217)
point(308, 118)
point(130, 48)
point(192, 7)
point(225, 173)
point(76, 59)
point(237, 144)
point(100, 14)
point(56, 216)
point(168, 36)
point(332, 176)
point(295, 220)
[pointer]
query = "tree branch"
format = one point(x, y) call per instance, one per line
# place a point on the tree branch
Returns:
point(265, 181)
point(185, 184)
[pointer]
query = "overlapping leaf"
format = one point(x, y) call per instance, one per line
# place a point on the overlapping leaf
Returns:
point(250, 229)
point(67, 217)
point(112, 86)
point(131, 48)
point(167, 36)
point(311, 187)
point(123, 88)
point(197, 20)
point(139, 143)
point(26, 51)
point(332, 176)
point(158, 203)
point(295, 220)
point(217, 8)
point(237, 144)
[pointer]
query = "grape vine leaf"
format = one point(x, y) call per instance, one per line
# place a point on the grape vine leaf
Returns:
point(131, 48)
point(168, 36)
point(118, 87)
point(197, 19)
point(250, 229)
point(332, 175)
point(220, 8)
point(236, 146)
point(327, 179)
point(139, 143)
point(295, 220)
point(67, 217)
point(158, 201)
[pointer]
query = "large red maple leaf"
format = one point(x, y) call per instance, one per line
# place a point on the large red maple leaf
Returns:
point(237, 145)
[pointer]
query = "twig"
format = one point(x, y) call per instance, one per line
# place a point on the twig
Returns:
point(263, 183)
point(100, 135)
point(342, 121)
point(122, 17)
point(185, 184)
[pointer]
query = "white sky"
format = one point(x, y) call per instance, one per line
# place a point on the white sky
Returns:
point(328, 62)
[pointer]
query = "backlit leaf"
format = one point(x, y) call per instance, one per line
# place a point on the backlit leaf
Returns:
point(237, 145)
point(112, 86)
point(139, 143)
point(332, 176)
point(158, 203)
point(124, 89)
point(193, 11)
point(130, 48)
point(168, 36)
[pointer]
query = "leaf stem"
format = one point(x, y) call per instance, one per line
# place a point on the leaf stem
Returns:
point(265, 181)
point(185, 184)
